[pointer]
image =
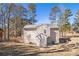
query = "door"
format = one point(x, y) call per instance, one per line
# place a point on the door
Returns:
point(52, 36)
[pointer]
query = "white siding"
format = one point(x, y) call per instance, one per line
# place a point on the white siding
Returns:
point(43, 31)
point(57, 36)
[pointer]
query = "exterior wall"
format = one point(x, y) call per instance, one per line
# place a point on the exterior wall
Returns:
point(57, 36)
point(30, 36)
point(43, 29)
point(41, 36)
point(34, 39)
point(25, 37)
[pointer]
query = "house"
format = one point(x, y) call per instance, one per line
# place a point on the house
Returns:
point(41, 35)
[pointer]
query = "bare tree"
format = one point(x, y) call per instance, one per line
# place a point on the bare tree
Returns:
point(65, 24)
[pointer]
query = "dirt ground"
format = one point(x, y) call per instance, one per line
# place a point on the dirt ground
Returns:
point(21, 49)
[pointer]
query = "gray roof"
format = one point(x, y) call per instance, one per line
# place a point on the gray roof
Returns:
point(35, 26)
point(30, 26)
point(55, 26)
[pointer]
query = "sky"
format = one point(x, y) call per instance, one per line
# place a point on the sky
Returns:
point(43, 10)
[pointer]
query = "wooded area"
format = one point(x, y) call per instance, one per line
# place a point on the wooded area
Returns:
point(13, 17)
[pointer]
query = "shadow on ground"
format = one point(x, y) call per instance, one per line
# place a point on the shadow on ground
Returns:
point(17, 50)
point(20, 49)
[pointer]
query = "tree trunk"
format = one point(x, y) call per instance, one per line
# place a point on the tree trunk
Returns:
point(8, 24)
point(4, 28)
point(15, 32)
